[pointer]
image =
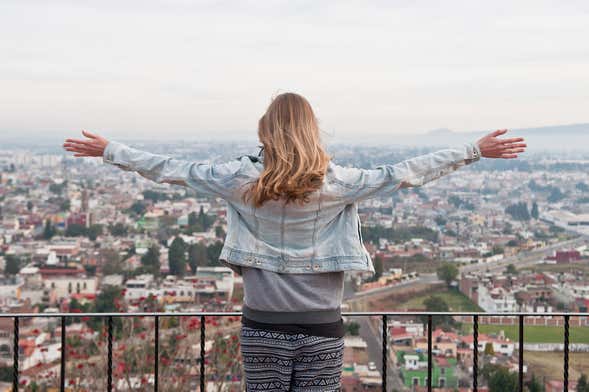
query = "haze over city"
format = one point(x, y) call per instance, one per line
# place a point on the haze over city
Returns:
point(178, 69)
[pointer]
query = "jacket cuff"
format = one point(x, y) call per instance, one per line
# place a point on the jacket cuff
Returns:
point(112, 154)
point(473, 152)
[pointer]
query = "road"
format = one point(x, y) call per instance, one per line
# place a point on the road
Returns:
point(373, 338)
point(524, 259)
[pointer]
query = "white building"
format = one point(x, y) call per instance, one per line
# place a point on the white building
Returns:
point(63, 286)
point(142, 286)
point(496, 300)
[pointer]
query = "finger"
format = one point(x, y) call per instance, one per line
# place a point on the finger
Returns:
point(80, 148)
point(81, 145)
point(78, 141)
point(512, 150)
point(515, 145)
point(508, 156)
point(498, 132)
point(512, 140)
point(76, 148)
point(90, 134)
point(82, 155)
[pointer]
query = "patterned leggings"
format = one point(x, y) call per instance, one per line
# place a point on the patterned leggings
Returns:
point(278, 361)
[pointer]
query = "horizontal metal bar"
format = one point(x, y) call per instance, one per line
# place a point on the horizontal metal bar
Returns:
point(228, 314)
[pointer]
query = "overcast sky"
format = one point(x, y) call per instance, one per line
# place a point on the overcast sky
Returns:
point(174, 68)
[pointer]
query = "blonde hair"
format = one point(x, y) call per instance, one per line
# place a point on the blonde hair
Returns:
point(295, 161)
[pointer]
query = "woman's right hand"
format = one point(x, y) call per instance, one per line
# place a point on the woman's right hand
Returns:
point(493, 147)
point(93, 146)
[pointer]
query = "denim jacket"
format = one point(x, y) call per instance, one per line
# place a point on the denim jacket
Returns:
point(322, 235)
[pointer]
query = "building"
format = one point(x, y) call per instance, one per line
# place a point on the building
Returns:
point(496, 300)
point(414, 370)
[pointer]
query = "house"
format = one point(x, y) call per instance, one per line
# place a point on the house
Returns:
point(414, 370)
point(443, 343)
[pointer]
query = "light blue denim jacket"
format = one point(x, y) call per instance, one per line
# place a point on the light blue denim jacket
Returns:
point(322, 235)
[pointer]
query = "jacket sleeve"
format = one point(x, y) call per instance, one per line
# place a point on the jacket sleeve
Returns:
point(210, 179)
point(366, 183)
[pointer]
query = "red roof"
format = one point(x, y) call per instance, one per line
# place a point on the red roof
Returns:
point(398, 331)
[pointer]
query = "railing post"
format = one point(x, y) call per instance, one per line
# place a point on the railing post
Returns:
point(384, 352)
point(202, 353)
point(109, 357)
point(429, 353)
point(156, 354)
point(521, 354)
point(475, 353)
point(566, 353)
point(15, 356)
point(63, 353)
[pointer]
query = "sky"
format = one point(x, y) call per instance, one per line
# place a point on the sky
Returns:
point(186, 68)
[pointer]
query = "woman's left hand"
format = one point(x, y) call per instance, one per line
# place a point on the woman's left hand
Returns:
point(93, 146)
point(492, 147)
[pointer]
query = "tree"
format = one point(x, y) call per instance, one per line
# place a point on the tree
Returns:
point(556, 195)
point(137, 208)
point(111, 262)
point(535, 213)
point(49, 230)
point(93, 232)
point(378, 267)
point(497, 250)
point(197, 256)
point(151, 260)
point(352, 328)
point(500, 379)
point(107, 299)
point(489, 350)
point(511, 270)
point(205, 220)
point(118, 230)
point(519, 211)
point(440, 220)
point(57, 188)
point(447, 272)
point(177, 257)
point(75, 230)
point(12, 265)
point(213, 252)
point(192, 219)
point(219, 232)
point(534, 385)
point(154, 196)
point(437, 304)
point(65, 205)
point(6, 373)
point(582, 384)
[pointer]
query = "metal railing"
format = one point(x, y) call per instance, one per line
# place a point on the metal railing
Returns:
point(384, 316)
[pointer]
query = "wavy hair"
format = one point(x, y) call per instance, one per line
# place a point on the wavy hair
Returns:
point(294, 159)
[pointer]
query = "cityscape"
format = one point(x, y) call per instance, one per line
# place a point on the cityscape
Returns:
point(80, 236)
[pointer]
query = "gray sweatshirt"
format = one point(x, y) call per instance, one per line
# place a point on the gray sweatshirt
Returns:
point(276, 298)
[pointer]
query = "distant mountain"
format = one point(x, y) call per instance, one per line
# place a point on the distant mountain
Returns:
point(555, 138)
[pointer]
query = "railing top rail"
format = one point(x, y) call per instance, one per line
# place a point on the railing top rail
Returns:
point(228, 314)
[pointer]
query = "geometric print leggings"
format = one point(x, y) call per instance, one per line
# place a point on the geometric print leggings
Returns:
point(279, 361)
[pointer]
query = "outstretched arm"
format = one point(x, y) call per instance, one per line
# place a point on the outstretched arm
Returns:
point(363, 184)
point(205, 178)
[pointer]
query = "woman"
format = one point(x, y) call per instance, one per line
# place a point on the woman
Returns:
point(293, 229)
